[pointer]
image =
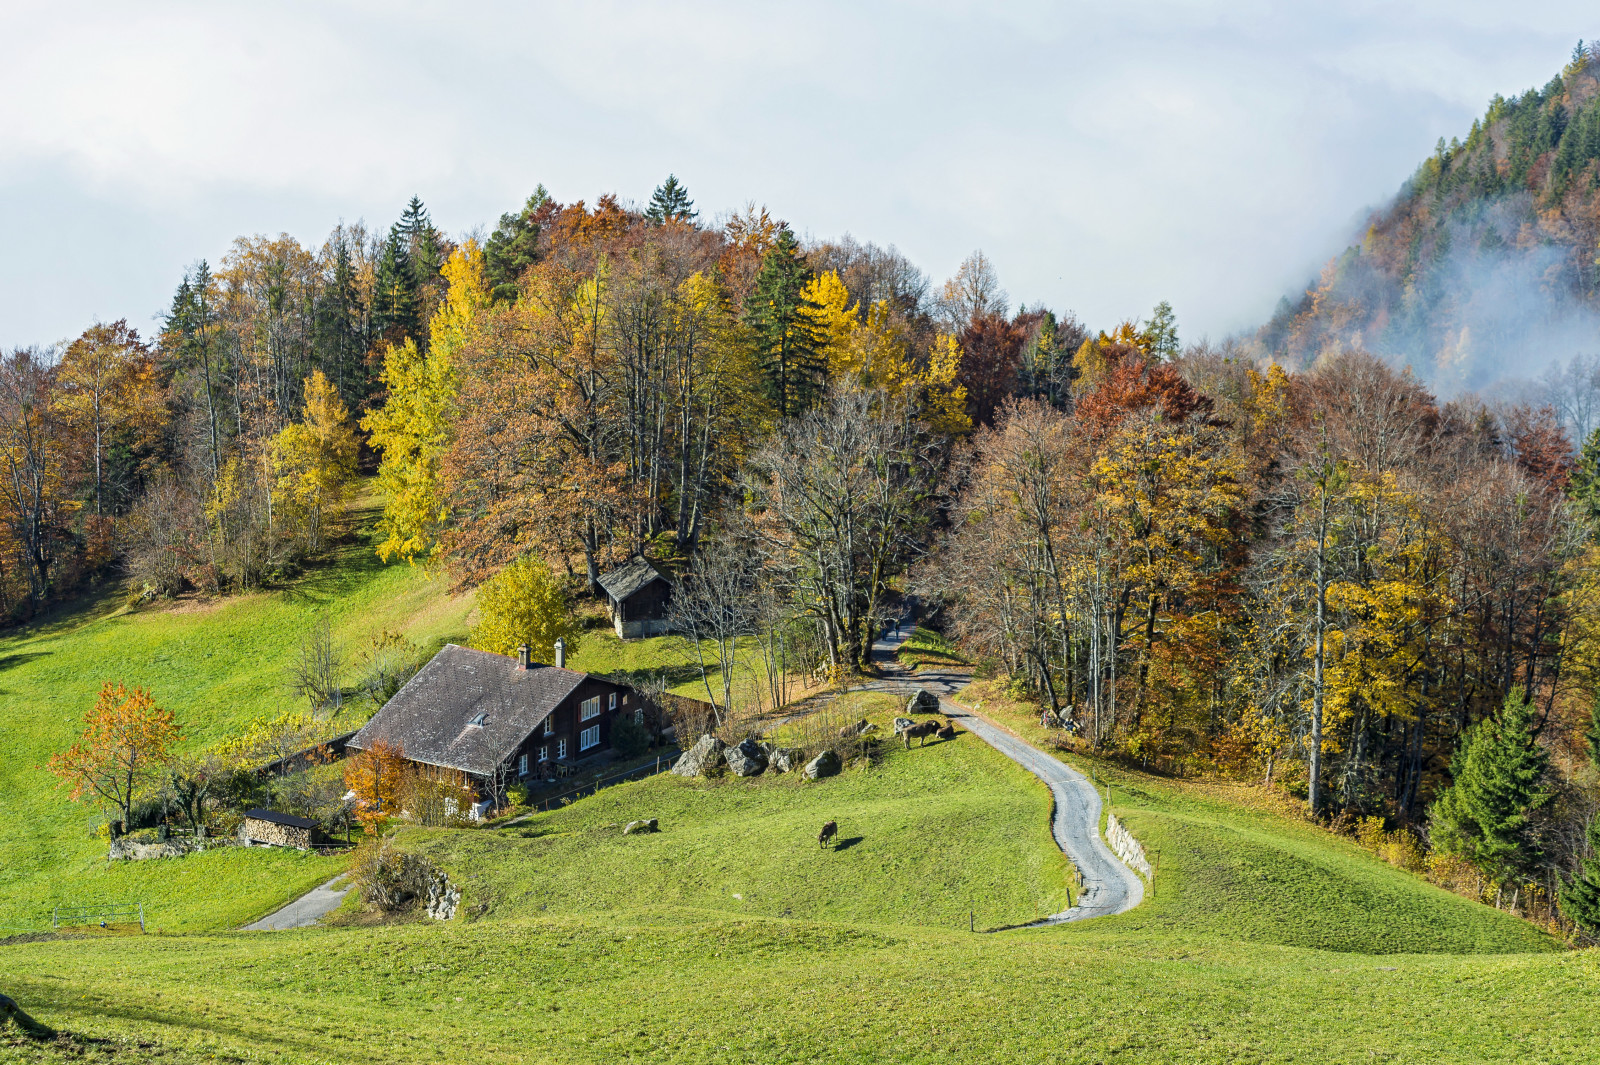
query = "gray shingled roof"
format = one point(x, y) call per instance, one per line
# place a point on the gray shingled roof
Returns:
point(629, 577)
point(432, 717)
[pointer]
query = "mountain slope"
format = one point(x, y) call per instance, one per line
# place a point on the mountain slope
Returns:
point(1485, 264)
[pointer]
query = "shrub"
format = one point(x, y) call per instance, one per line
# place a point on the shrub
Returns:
point(629, 737)
point(387, 877)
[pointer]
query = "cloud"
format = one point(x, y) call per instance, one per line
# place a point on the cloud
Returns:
point(1105, 156)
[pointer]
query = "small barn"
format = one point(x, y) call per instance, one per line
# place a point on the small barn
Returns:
point(269, 828)
point(636, 597)
point(481, 720)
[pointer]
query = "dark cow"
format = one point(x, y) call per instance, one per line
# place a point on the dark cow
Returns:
point(921, 730)
point(829, 830)
point(948, 732)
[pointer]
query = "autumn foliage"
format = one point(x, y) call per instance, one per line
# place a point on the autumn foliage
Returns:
point(126, 741)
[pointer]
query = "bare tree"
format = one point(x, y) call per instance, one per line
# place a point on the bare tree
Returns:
point(317, 668)
point(713, 606)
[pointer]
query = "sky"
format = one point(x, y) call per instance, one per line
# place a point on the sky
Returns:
point(1103, 155)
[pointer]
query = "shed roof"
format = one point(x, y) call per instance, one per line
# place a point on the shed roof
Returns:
point(468, 709)
point(630, 577)
point(288, 820)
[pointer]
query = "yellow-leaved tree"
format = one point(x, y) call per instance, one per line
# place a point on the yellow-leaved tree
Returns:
point(312, 462)
point(524, 604)
point(412, 428)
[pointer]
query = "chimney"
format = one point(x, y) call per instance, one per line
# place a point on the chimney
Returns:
point(522, 656)
point(561, 654)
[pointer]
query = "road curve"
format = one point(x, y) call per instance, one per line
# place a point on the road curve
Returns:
point(1109, 887)
point(306, 910)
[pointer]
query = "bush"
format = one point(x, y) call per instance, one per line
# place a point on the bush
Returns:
point(388, 878)
point(629, 737)
point(517, 794)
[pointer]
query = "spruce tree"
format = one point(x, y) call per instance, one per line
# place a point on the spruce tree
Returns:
point(513, 247)
point(671, 201)
point(395, 302)
point(340, 337)
point(1580, 896)
point(1487, 814)
point(788, 348)
point(1160, 333)
point(1583, 487)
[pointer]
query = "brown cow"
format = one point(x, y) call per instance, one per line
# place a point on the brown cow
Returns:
point(921, 730)
point(829, 830)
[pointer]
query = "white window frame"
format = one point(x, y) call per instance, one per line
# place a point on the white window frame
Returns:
point(638, 716)
point(522, 764)
point(544, 753)
point(561, 748)
point(589, 709)
point(613, 701)
point(589, 737)
point(550, 725)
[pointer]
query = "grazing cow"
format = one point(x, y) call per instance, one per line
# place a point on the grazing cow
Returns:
point(921, 730)
point(947, 733)
point(829, 830)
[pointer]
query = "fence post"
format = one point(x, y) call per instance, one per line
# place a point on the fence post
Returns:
point(141, 916)
point(55, 918)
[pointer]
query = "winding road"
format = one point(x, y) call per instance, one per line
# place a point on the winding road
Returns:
point(1109, 887)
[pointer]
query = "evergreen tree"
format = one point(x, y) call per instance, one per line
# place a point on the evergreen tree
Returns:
point(341, 336)
point(787, 345)
point(396, 312)
point(671, 200)
point(1160, 333)
point(423, 242)
point(1583, 487)
point(1592, 736)
point(1487, 814)
point(513, 247)
point(1580, 896)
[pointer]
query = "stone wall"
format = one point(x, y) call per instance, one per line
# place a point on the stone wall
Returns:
point(1124, 846)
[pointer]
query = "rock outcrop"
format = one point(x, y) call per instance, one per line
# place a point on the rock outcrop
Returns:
point(825, 764)
point(701, 759)
point(746, 758)
point(443, 897)
point(785, 759)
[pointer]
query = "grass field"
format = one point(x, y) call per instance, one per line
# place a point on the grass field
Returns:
point(729, 937)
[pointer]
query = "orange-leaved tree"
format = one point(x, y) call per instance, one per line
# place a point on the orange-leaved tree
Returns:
point(126, 740)
point(378, 776)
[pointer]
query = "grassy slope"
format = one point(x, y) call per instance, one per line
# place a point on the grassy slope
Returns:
point(924, 837)
point(216, 666)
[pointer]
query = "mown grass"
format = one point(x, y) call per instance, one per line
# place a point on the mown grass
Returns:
point(217, 665)
point(926, 836)
point(926, 647)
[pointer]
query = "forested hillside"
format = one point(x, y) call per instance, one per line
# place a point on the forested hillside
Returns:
point(1484, 267)
point(1325, 580)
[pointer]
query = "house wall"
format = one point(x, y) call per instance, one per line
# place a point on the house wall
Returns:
point(566, 725)
point(648, 603)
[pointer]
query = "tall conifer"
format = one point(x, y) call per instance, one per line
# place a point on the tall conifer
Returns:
point(788, 348)
point(671, 201)
point(395, 303)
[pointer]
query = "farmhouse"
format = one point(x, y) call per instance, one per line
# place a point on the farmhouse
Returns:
point(636, 598)
point(274, 829)
point(483, 720)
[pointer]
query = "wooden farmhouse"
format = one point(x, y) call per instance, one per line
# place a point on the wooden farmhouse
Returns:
point(269, 828)
point(636, 597)
point(484, 720)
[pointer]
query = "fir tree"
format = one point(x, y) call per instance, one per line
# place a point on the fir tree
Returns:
point(1487, 814)
point(1580, 896)
point(395, 302)
point(787, 346)
point(1160, 333)
point(513, 247)
point(671, 201)
point(422, 242)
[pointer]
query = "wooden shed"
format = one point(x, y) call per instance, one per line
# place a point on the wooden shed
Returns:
point(636, 597)
point(273, 829)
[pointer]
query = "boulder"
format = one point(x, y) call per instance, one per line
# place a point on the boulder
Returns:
point(746, 758)
point(633, 828)
point(702, 758)
point(923, 701)
point(857, 729)
point(785, 760)
point(901, 724)
point(825, 764)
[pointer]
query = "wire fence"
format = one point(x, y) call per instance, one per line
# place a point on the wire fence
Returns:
point(649, 769)
point(103, 914)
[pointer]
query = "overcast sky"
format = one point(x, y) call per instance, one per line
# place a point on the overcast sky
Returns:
point(1104, 155)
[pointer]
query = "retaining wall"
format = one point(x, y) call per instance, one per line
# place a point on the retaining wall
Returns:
point(1124, 846)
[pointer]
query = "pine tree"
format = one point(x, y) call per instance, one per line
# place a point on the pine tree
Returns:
point(513, 247)
point(671, 201)
point(422, 241)
point(1580, 896)
point(395, 310)
point(1160, 333)
point(781, 320)
point(1487, 813)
